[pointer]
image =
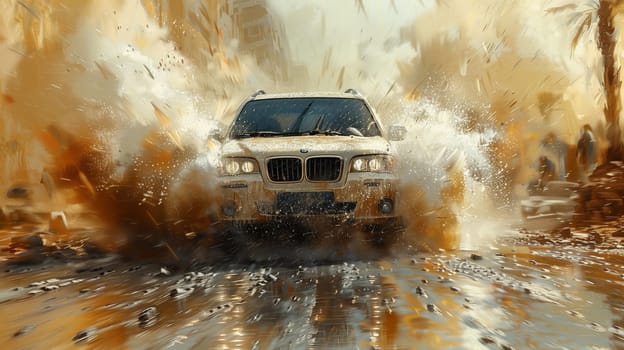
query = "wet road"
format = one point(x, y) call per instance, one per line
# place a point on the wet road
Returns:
point(516, 294)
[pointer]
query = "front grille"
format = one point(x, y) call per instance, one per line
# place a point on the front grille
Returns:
point(284, 169)
point(323, 168)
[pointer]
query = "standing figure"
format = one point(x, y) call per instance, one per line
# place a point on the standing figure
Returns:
point(547, 172)
point(586, 152)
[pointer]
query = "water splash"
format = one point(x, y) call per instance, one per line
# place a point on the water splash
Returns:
point(448, 175)
point(114, 115)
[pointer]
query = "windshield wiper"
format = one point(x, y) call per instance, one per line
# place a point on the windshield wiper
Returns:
point(299, 119)
point(257, 134)
point(319, 131)
point(324, 132)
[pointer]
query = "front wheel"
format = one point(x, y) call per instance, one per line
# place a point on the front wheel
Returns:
point(385, 233)
point(230, 238)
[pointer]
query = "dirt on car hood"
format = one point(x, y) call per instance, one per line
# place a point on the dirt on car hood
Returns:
point(260, 147)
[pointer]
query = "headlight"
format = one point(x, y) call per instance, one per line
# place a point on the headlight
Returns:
point(248, 167)
point(235, 166)
point(374, 163)
point(359, 164)
point(232, 167)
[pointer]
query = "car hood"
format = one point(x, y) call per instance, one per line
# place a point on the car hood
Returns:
point(262, 147)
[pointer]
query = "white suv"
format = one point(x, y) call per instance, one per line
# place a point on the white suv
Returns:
point(310, 156)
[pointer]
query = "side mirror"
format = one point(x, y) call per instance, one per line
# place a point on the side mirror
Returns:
point(218, 135)
point(397, 133)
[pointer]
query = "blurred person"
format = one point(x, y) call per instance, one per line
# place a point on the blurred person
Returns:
point(586, 152)
point(559, 150)
point(547, 171)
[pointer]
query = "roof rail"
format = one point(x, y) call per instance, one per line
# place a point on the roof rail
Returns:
point(258, 92)
point(352, 92)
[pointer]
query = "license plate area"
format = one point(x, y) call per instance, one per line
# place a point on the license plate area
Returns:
point(309, 203)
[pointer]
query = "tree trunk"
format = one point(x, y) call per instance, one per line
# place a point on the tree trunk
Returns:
point(611, 76)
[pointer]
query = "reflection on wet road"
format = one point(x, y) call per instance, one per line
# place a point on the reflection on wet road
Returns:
point(510, 297)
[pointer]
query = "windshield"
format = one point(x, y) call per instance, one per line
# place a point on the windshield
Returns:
point(304, 116)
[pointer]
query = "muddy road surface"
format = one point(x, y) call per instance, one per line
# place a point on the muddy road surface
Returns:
point(526, 290)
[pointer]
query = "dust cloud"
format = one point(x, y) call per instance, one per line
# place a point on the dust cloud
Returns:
point(111, 107)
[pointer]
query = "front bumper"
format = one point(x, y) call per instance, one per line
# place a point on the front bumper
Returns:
point(366, 198)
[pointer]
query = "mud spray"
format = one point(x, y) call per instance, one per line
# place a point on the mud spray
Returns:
point(109, 108)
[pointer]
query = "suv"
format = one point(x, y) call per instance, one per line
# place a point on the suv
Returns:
point(309, 156)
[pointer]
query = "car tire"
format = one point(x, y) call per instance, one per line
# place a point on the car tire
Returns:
point(385, 234)
point(230, 240)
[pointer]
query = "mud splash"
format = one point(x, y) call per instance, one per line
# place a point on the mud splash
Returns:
point(110, 118)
